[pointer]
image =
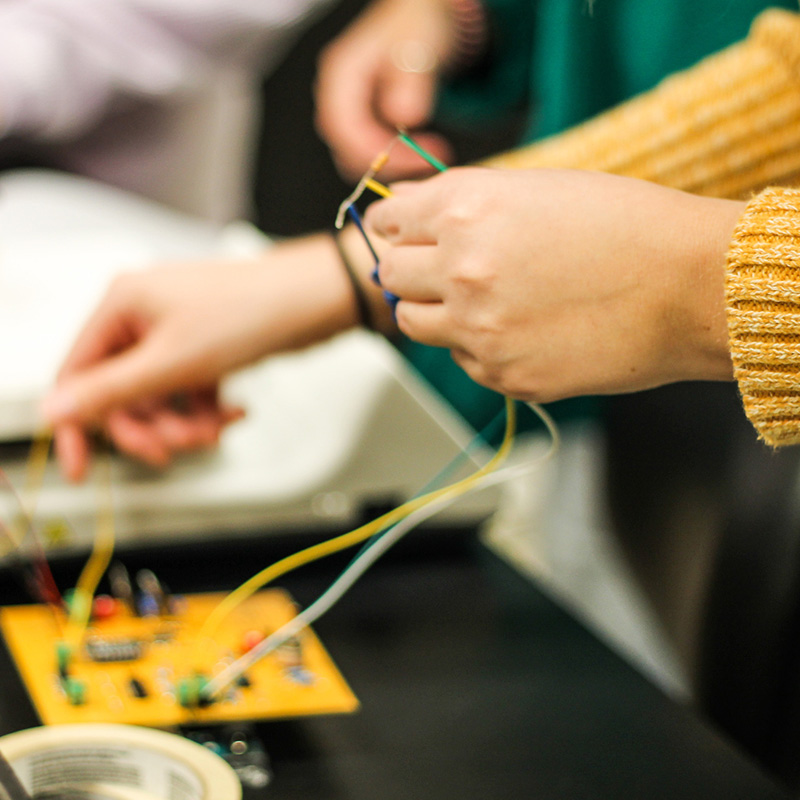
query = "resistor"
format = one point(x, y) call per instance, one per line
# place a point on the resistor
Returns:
point(121, 586)
point(153, 598)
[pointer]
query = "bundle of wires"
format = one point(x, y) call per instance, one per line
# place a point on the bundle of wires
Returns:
point(383, 533)
point(36, 572)
point(79, 606)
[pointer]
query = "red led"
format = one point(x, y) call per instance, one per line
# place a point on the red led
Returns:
point(250, 640)
point(104, 607)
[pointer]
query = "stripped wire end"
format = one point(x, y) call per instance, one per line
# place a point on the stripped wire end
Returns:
point(378, 163)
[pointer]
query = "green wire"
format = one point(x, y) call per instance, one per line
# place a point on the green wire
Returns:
point(432, 160)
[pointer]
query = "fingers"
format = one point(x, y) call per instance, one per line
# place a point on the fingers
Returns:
point(427, 323)
point(138, 436)
point(361, 98)
point(113, 326)
point(411, 273)
point(401, 219)
point(406, 99)
point(153, 432)
point(87, 395)
point(72, 451)
point(345, 118)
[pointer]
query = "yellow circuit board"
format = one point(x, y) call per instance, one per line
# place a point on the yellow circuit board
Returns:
point(131, 666)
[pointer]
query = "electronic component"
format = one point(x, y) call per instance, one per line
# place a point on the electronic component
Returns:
point(103, 607)
point(152, 599)
point(108, 650)
point(241, 747)
point(121, 586)
point(137, 688)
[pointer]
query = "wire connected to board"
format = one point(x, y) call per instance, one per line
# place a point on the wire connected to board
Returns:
point(200, 687)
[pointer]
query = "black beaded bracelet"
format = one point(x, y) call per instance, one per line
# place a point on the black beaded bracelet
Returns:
point(362, 303)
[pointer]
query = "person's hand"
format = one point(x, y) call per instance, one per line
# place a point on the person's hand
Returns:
point(144, 370)
point(381, 74)
point(547, 284)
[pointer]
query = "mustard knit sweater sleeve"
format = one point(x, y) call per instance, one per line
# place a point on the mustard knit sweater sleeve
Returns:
point(729, 127)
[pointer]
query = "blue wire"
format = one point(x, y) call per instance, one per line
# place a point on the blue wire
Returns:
point(356, 217)
point(391, 299)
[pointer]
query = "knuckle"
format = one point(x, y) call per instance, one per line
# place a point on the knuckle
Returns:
point(460, 213)
point(473, 272)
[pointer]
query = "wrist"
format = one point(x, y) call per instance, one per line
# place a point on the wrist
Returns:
point(700, 322)
point(362, 306)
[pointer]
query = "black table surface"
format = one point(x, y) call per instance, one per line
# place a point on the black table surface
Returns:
point(473, 684)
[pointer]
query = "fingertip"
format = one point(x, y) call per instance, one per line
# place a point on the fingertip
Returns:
point(72, 452)
point(233, 413)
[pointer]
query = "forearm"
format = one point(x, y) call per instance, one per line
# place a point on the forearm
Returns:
point(727, 127)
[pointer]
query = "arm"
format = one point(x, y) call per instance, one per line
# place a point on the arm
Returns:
point(724, 128)
point(64, 64)
point(546, 284)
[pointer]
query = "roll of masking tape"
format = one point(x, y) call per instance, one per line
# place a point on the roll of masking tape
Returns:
point(117, 762)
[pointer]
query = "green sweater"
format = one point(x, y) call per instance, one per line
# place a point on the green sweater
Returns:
point(557, 63)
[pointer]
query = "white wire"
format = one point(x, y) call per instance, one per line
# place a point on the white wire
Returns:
point(367, 558)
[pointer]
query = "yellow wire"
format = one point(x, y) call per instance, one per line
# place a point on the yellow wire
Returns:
point(377, 187)
point(35, 467)
point(317, 551)
point(376, 166)
point(95, 567)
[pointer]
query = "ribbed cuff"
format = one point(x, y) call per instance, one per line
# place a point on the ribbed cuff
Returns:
point(763, 302)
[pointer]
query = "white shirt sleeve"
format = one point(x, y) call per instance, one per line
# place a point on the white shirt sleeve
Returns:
point(65, 63)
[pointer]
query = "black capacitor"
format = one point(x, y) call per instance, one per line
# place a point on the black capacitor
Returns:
point(137, 688)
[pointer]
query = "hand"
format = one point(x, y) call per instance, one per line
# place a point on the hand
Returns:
point(363, 96)
point(547, 284)
point(145, 367)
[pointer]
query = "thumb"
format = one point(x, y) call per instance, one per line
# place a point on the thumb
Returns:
point(407, 99)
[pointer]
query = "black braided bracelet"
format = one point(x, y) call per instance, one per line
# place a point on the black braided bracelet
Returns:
point(362, 303)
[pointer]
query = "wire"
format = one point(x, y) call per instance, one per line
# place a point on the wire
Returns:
point(361, 534)
point(35, 467)
point(400, 519)
point(376, 166)
point(356, 217)
point(378, 188)
point(42, 583)
point(367, 558)
point(95, 567)
point(403, 136)
point(348, 205)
